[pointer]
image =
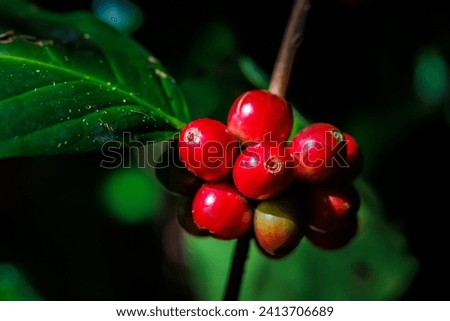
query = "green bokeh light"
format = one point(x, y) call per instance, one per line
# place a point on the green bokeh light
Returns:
point(431, 76)
point(122, 15)
point(132, 195)
point(14, 286)
point(213, 45)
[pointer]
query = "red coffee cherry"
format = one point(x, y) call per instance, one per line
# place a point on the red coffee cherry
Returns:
point(263, 170)
point(259, 115)
point(353, 159)
point(222, 210)
point(334, 239)
point(184, 216)
point(318, 152)
point(278, 227)
point(208, 149)
point(331, 205)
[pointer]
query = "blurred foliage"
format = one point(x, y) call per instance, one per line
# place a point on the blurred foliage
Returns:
point(431, 77)
point(131, 195)
point(210, 79)
point(255, 75)
point(14, 286)
point(374, 266)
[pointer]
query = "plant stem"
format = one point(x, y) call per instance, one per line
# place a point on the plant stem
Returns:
point(237, 269)
point(292, 37)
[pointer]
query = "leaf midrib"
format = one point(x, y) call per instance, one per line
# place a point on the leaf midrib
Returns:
point(129, 107)
point(173, 121)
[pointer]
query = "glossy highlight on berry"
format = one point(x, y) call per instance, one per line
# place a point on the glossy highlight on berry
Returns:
point(263, 171)
point(208, 149)
point(318, 151)
point(331, 205)
point(222, 210)
point(259, 115)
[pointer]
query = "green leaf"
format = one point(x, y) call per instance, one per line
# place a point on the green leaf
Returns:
point(69, 83)
point(254, 74)
point(300, 122)
point(374, 266)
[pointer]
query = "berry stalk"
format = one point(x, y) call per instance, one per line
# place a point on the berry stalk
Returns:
point(279, 81)
point(293, 36)
point(237, 269)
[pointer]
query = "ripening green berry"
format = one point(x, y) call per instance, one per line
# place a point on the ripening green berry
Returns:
point(278, 226)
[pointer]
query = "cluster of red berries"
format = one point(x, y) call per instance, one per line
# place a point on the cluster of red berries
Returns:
point(246, 175)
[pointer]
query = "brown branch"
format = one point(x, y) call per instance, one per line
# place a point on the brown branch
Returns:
point(292, 38)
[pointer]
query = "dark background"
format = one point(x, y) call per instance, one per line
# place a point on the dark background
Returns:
point(355, 69)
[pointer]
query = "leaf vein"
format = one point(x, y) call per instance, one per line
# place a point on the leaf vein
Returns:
point(176, 123)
